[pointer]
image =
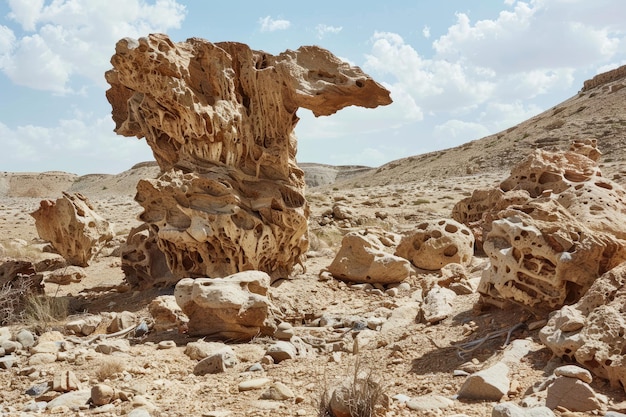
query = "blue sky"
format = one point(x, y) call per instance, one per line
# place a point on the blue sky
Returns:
point(458, 70)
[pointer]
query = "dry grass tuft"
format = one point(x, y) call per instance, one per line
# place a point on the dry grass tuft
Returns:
point(361, 395)
point(42, 312)
point(13, 297)
point(109, 368)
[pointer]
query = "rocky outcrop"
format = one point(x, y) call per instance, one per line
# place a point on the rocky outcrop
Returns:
point(559, 232)
point(362, 258)
point(236, 307)
point(542, 256)
point(437, 243)
point(605, 78)
point(591, 332)
point(220, 120)
point(72, 227)
point(143, 263)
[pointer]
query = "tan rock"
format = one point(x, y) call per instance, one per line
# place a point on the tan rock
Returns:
point(73, 228)
point(220, 120)
point(362, 258)
point(143, 263)
point(65, 276)
point(591, 332)
point(437, 243)
point(233, 308)
point(102, 394)
point(166, 313)
point(65, 381)
point(572, 394)
point(542, 257)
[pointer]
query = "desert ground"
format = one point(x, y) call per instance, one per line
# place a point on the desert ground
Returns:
point(412, 361)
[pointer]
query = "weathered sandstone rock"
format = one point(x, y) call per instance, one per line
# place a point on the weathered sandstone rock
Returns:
point(437, 243)
point(232, 308)
point(220, 121)
point(362, 259)
point(591, 332)
point(143, 263)
point(542, 257)
point(73, 228)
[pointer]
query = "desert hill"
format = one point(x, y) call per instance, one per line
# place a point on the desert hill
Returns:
point(596, 112)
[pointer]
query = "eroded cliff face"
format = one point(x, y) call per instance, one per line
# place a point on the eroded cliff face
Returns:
point(220, 120)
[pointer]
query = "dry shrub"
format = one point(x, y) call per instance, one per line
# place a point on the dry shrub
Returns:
point(108, 368)
point(42, 312)
point(362, 394)
point(13, 299)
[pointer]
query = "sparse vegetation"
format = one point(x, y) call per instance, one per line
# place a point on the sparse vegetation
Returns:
point(361, 395)
point(42, 312)
point(109, 367)
point(555, 124)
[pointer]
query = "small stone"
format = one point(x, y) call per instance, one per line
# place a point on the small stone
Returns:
point(102, 394)
point(10, 346)
point(392, 292)
point(573, 394)
point(7, 362)
point(42, 359)
point(122, 321)
point(252, 384)
point(216, 363)
point(73, 400)
point(278, 392)
point(38, 390)
point(438, 304)
point(267, 360)
point(201, 349)
point(142, 329)
point(255, 367)
point(574, 371)
point(5, 334)
point(513, 410)
point(460, 372)
point(284, 331)
point(139, 412)
point(166, 344)
point(26, 338)
point(429, 402)
point(490, 384)
point(401, 398)
point(46, 347)
point(281, 351)
point(84, 326)
point(65, 381)
point(109, 346)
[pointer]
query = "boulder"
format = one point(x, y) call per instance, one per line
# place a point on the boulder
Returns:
point(72, 227)
point(437, 243)
point(489, 384)
point(166, 313)
point(220, 120)
point(143, 263)
point(362, 258)
point(236, 307)
point(543, 257)
point(591, 332)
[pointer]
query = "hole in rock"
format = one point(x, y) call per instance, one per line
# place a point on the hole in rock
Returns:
point(450, 251)
point(450, 228)
point(436, 234)
point(604, 185)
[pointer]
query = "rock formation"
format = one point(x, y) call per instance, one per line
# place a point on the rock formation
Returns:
point(72, 227)
point(591, 332)
point(362, 259)
point(542, 256)
point(549, 229)
point(220, 120)
point(232, 308)
point(437, 243)
point(143, 263)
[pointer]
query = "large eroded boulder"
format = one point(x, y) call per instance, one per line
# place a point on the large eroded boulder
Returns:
point(220, 120)
point(236, 307)
point(541, 256)
point(72, 227)
point(436, 243)
point(591, 332)
point(362, 258)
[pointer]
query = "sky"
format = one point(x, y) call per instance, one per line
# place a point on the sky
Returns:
point(458, 70)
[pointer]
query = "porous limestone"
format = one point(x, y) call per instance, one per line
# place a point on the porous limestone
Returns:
point(436, 243)
point(220, 120)
point(72, 227)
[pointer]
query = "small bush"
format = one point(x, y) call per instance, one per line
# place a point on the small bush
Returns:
point(108, 368)
point(42, 312)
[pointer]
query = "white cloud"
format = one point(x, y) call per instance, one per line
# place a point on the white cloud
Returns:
point(453, 132)
point(322, 30)
point(426, 32)
point(270, 25)
point(7, 41)
point(538, 34)
point(71, 38)
point(90, 140)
